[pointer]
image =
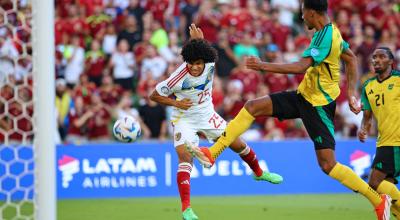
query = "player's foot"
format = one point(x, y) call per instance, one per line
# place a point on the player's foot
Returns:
point(383, 209)
point(269, 177)
point(188, 214)
point(201, 153)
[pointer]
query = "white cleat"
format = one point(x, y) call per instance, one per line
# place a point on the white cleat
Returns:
point(202, 154)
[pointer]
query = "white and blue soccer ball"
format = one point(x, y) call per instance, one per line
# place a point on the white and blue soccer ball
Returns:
point(127, 129)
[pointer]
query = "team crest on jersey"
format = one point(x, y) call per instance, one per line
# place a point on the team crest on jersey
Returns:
point(165, 90)
point(390, 87)
point(314, 52)
point(178, 136)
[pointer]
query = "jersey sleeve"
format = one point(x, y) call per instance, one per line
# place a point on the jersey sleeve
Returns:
point(364, 98)
point(320, 45)
point(169, 86)
point(344, 46)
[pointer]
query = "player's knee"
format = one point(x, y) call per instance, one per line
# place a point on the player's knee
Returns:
point(252, 107)
point(326, 166)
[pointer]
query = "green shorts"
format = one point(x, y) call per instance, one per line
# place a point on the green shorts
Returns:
point(387, 160)
point(318, 120)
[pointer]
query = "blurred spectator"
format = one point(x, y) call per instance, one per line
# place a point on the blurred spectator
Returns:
point(287, 10)
point(158, 9)
point(85, 89)
point(208, 19)
point(249, 79)
point(78, 116)
point(153, 65)
point(95, 63)
point(98, 123)
point(295, 129)
point(63, 103)
point(366, 48)
point(278, 31)
point(245, 47)
point(226, 58)
point(154, 116)
point(233, 100)
point(75, 57)
point(123, 64)
point(98, 20)
point(271, 131)
point(131, 33)
point(159, 38)
point(134, 8)
point(8, 53)
point(110, 40)
point(109, 92)
point(188, 11)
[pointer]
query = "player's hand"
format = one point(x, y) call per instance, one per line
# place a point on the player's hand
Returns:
point(253, 63)
point(354, 106)
point(184, 104)
point(362, 135)
point(195, 32)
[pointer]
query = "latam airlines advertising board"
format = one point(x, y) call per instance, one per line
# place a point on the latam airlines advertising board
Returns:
point(148, 169)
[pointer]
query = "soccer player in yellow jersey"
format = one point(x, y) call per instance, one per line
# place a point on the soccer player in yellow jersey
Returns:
point(381, 97)
point(313, 102)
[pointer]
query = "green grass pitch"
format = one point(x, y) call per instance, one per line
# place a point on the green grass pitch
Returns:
point(288, 207)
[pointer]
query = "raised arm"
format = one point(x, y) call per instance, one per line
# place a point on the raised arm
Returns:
point(350, 61)
point(298, 67)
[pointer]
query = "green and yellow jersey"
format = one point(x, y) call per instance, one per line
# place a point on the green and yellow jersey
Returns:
point(320, 85)
point(383, 99)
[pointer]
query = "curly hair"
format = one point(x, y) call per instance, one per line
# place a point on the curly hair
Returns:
point(197, 49)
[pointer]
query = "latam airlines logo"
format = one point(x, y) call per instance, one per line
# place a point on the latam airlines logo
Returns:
point(108, 172)
point(68, 167)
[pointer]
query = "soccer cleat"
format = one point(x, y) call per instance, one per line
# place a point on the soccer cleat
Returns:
point(383, 209)
point(201, 153)
point(269, 177)
point(188, 214)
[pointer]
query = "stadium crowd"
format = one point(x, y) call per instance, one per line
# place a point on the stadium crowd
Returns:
point(111, 53)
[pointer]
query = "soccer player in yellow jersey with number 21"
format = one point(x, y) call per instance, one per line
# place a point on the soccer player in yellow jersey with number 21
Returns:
point(381, 97)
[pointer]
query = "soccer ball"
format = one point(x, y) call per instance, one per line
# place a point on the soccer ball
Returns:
point(127, 129)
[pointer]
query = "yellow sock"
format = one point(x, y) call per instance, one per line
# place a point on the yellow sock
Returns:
point(347, 177)
point(233, 130)
point(390, 189)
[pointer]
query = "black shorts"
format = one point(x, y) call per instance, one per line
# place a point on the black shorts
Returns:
point(317, 120)
point(387, 160)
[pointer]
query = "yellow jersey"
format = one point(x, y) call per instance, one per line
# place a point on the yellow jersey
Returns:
point(320, 85)
point(383, 99)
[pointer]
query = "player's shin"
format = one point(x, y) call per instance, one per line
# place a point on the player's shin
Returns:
point(348, 178)
point(233, 130)
point(183, 180)
point(250, 158)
